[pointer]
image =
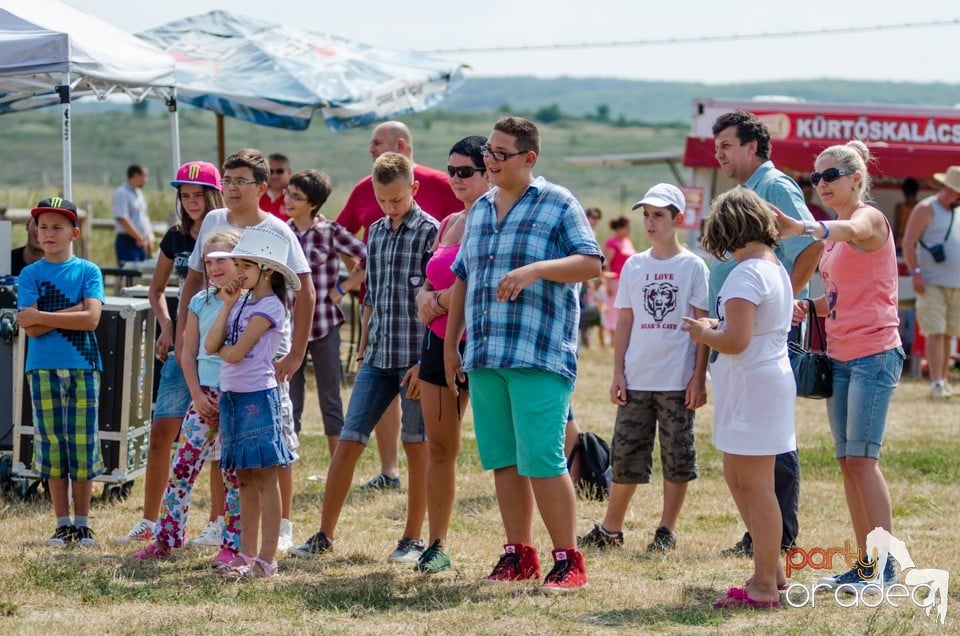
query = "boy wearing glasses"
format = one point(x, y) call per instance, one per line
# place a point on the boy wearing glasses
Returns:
point(324, 243)
point(245, 177)
point(742, 144)
point(526, 243)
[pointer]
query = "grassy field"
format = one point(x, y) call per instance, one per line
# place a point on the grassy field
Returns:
point(355, 590)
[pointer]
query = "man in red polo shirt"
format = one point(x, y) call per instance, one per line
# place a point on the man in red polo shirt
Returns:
point(272, 199)
point(360, 211)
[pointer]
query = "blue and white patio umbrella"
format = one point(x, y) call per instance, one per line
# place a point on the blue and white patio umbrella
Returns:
point(277, 75)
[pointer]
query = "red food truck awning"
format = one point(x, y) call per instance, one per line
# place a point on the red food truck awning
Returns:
point(905, 142)
point(891, 160)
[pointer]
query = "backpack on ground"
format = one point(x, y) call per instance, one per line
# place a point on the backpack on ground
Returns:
point(594, 456)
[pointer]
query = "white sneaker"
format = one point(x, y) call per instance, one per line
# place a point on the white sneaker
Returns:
point(408, 551)
point(939, 391)
point(210, 535)
point(143, 531)
point(285, 542)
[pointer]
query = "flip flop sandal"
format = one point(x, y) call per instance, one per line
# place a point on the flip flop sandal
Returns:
point(259, 569)
point(739, 597)
point(235, 569)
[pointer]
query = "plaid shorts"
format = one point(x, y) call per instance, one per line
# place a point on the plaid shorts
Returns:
point(65, 439)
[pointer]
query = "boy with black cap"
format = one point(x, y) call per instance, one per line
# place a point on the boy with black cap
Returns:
point(60, 299)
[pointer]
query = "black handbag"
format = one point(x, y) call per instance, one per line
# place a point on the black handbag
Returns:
point(811, 369)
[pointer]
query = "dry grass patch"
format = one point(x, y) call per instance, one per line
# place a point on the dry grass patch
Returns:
point(355, 590)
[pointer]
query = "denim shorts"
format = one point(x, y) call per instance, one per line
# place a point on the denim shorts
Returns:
point(173, 395)
point(250, 430)
point(373, 390)
point(862, 390)
point(520, 417)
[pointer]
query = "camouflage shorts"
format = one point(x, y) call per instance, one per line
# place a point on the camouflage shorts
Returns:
point(634, 432)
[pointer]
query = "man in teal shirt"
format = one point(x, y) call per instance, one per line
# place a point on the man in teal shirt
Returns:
point(742, 145)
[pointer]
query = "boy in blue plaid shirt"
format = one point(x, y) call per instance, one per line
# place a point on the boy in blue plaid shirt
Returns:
point(526, 243)
point(60, 299)
point(390, 343)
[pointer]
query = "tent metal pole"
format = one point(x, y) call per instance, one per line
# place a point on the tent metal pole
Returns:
point(221, 141)
point(174, 129)
point(63, 90)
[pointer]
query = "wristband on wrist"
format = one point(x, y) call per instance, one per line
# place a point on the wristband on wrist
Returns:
point(826, 230)
point(437, 298)
point(808, 228)
point(340, 290)
point(915, 271)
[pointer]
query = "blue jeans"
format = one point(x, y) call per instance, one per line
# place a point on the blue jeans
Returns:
point(127, 250)
point(862, 390)
point(373, 390)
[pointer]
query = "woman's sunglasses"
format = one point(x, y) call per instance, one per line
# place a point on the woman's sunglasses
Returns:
point(829, 175)
point(464, 172)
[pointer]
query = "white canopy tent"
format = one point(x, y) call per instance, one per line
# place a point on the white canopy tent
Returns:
point(51, 52)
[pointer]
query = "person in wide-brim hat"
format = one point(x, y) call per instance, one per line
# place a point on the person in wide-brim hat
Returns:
point(266, 248)
point(950, 178)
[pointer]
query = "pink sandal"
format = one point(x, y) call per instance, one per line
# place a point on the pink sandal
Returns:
point(259, 569)
point(223, 559)
point(233, 568)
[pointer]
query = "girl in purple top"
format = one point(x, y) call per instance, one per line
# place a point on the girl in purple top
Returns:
point(246, 334)
point(442, 410)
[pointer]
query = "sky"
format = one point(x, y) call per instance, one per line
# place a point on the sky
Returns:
point(926, 54)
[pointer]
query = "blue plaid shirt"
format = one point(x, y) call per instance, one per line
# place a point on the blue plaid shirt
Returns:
point(538, 330)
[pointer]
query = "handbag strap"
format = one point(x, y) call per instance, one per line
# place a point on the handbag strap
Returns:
point(813, 318)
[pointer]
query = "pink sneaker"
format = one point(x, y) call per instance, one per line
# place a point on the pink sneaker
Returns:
point(223, 559)
point(152, 552)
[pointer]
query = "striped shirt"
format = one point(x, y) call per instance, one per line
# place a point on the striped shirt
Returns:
point(538, 330)
point(396, 260)
point(323, 243)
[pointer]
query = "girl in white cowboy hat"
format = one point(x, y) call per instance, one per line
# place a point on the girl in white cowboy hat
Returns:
point(246, 335)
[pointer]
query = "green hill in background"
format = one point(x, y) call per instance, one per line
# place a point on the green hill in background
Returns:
point(670, 102)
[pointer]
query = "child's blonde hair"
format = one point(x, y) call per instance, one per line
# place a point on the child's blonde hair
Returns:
point(223, 237)
point(392, 166)
point(736, 218)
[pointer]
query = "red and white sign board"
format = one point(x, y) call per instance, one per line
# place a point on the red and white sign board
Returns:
point(905, 141)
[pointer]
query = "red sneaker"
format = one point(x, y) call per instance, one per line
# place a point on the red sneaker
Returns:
point(569, 572)
point(517, 563)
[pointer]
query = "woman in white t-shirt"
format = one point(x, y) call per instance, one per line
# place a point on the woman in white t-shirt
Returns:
point(754, 389)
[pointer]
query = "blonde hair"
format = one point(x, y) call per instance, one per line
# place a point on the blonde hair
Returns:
point(223, 237)
point(392, 166)
point(851, 157)
point(736, 218)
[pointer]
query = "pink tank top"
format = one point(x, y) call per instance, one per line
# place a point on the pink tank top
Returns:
point(441, 277)
point(861, 290)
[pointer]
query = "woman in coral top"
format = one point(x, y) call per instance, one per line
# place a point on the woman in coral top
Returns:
point(616, 251)
point(859, 271)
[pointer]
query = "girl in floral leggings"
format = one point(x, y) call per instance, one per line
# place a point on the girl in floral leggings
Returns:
point(200, 428)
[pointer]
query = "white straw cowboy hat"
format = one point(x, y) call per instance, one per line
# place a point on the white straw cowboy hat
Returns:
point(950, 178)
point(265, 247)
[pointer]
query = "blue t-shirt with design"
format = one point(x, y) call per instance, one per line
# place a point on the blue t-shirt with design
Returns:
point(55, 287)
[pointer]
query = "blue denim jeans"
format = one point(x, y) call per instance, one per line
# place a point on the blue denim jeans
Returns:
point(373, 390)
point(862, 390)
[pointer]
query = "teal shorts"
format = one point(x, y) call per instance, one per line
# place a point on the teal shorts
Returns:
point(519, 417)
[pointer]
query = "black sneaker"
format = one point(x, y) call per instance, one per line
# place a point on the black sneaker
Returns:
point(743, 547)
point(600, 539)
point(317, 544)
point(84, 537)
point(62, 537)
point(663, 541)
point(380, 482)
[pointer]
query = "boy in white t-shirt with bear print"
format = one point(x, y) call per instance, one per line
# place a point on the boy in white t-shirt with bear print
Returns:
point(659, 375)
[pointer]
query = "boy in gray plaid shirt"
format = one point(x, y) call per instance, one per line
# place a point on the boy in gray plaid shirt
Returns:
point(390, 343)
